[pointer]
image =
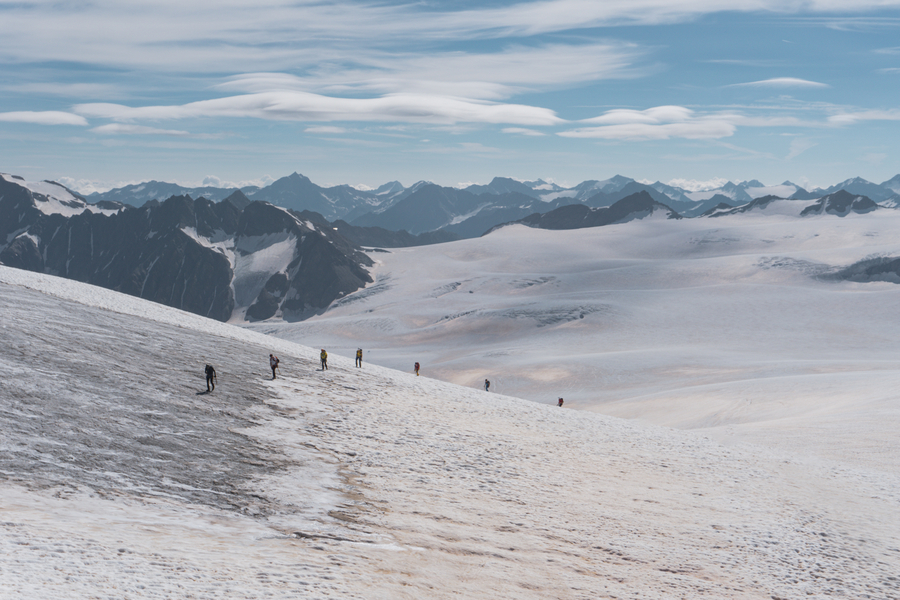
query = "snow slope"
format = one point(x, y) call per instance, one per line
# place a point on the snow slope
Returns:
point(120, 478)
point(727, 326)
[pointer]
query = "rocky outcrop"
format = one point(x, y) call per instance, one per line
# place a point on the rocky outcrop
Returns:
point(576, 216)
point(215, 259)
point(841, 203)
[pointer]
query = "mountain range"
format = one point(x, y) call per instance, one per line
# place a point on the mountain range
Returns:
point(472, 210)
point(280, 251)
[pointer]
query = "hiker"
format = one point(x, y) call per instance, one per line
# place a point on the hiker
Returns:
point(417, 368)
point(210, 378)
point(487, 385)
point(273, 362)
point(324, 357)
point(560, 402)
point(359, 357)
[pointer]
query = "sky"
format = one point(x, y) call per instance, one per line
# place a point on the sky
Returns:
point(103, 93)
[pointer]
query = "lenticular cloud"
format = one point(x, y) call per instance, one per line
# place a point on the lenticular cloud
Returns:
point(657, 123)
point(48, 117)
point(304, 106)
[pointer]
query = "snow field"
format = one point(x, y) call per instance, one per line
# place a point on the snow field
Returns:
point(120, 479)
point(724, 325)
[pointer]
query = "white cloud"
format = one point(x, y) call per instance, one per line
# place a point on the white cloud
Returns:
point(694, 185)
point(782, 82)
point(123, 128)
point(68, 90)
point(695, 130)
point(486, 76)
point(245, 35)
point(47, 117)
point(865, 115)
point(658, 123)
point(304, 106)
point(325, 129)
point(655, 115)
point(522, 131)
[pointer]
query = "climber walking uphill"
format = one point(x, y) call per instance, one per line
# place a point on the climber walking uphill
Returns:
point(487, 385)
point(210, 378)
point(416, 367)
point(359, 357)
point(324, 357)
point(273, 363)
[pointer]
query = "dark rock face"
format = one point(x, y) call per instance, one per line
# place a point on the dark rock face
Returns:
point(577, 216)
point(269, 299)
point(840, 203)
point(757, 204)
point(430, 207)
point(876, 269)
point(378, 236)
point(189, 254)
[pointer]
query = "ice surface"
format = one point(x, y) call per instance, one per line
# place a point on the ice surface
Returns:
point(119, 478)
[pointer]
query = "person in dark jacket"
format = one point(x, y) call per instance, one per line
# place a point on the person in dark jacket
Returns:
point(210, 378)
point(273, 363)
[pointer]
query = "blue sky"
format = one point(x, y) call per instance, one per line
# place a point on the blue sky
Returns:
point(101, 93)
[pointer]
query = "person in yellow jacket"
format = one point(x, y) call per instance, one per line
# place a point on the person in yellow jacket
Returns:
point(359, 357)
point(324, 357)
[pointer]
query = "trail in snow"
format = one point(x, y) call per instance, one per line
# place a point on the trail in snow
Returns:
point(120, 479)
point(726, 326)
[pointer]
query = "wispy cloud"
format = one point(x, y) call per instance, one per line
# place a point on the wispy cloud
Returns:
point(668, 122)
point(245, 35)
point(746, 62)
point(325, 129)
point(122, 128)
point(47, 117)
point(658, 123)
point(798, 147)
point(487, 75)
point(131, 129)
point(782, 82)
point(523, 131)
point(304, 106)
point(851, 118)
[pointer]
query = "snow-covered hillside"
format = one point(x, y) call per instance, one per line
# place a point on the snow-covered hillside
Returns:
point(120, 477)
point(739, 326)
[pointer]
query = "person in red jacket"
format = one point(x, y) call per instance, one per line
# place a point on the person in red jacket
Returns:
point(560, 402)
point(417, 368)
